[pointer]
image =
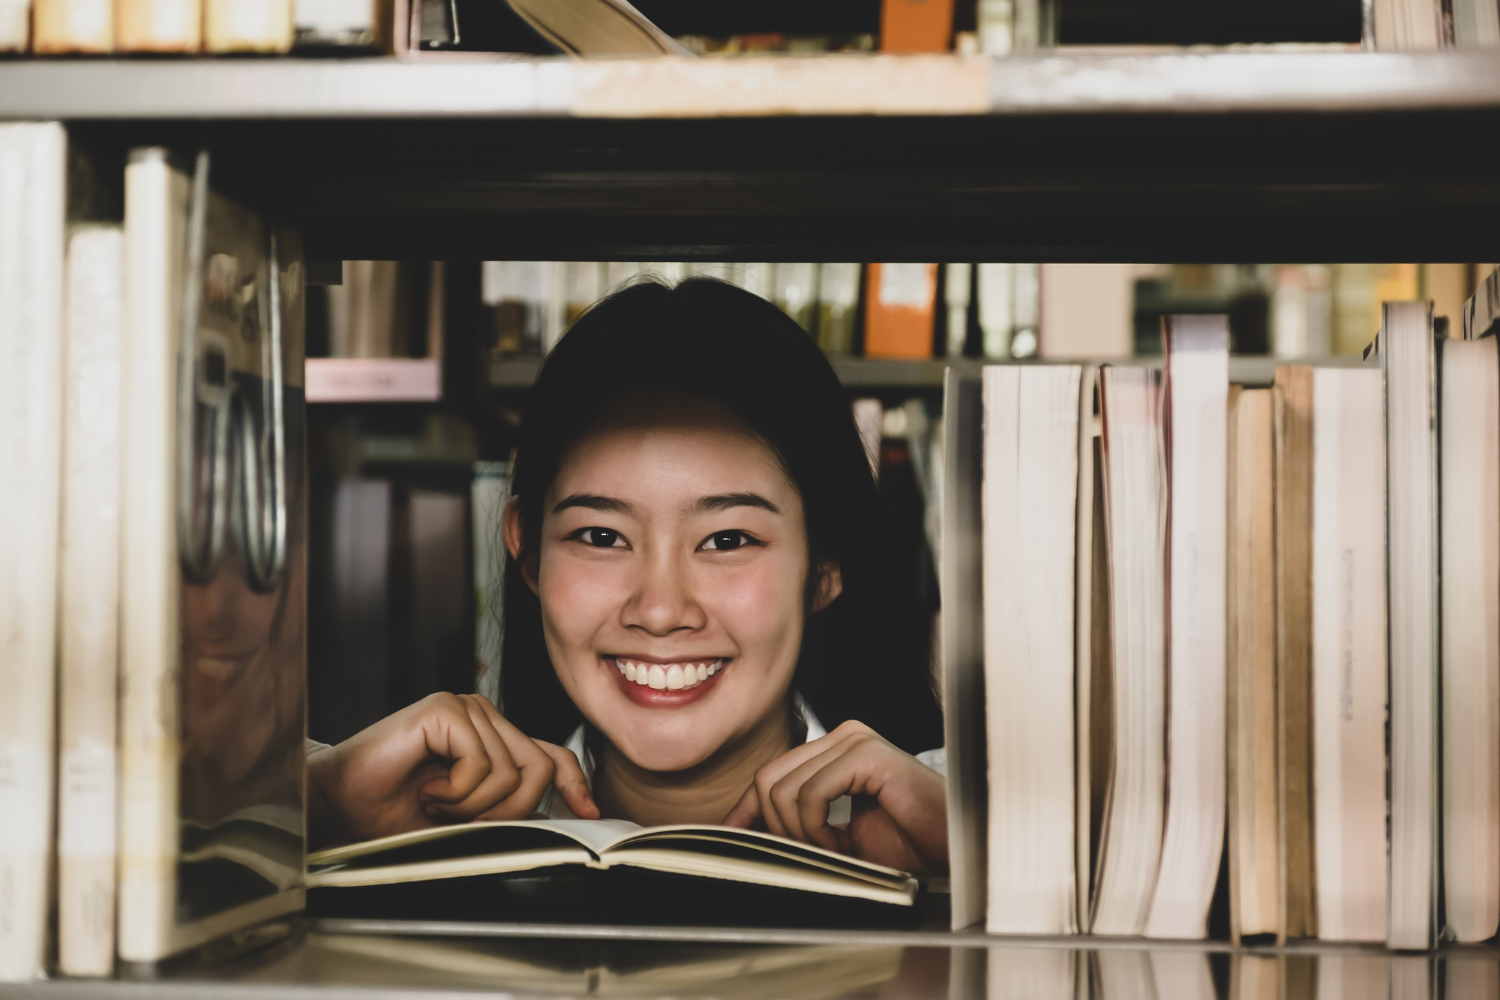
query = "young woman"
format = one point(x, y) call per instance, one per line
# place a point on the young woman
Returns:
point(696, 589)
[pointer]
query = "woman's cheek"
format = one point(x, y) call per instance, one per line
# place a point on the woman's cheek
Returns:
point(761, 604)
point(578, 598)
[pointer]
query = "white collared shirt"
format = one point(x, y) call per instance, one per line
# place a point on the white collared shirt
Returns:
point(553, 806)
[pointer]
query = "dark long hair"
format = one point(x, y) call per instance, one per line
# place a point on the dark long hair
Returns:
point(865, 656)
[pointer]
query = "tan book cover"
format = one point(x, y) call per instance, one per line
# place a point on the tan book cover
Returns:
point(247, 25)
point(1293, 477)
point(1254, 880)
point(73, 26)
point(159, 26)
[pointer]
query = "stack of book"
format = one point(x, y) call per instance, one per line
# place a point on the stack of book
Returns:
point(154, 582)
point(1211, 607)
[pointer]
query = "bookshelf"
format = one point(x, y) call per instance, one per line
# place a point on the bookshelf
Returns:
point(1199, 156)
point(1244, 156)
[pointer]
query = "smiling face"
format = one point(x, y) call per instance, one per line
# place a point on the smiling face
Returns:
point(671, 576)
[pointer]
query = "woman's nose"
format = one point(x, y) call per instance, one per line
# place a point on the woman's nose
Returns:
point(664, 600)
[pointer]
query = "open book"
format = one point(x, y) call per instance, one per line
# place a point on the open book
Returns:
point(473, 849)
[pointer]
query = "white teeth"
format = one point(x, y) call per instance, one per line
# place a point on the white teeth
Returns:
point(713, 668)
point(642, 675)
point(629, 671)
point(657, 677)
point(701, 672)
point(674, 678)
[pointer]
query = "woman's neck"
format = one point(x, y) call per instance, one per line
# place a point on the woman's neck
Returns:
point(701, 794)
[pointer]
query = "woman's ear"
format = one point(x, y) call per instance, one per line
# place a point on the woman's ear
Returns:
point(830, 584)
point(510, 523)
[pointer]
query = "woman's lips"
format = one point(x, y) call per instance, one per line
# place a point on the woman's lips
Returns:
point(659, 684)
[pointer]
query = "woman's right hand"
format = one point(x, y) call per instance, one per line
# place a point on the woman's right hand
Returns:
point(447, 758)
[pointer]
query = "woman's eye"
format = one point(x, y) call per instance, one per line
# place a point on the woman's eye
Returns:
point(727, 540)
point(599, 538)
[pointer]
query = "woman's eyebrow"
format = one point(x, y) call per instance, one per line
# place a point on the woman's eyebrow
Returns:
point(726, 501)
point(592, 501)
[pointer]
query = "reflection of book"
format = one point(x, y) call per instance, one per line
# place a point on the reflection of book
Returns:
point(476, 849)
point(569, 968)
point(213, 605)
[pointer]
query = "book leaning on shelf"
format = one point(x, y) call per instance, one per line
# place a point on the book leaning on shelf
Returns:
point(213, 565)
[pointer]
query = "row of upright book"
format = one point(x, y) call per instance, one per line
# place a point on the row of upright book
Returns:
point(92, 27)
point(152, 559)
point(1208, 614)
point(907, 311)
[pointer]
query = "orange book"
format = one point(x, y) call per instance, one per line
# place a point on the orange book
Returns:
point(916, 25)
point(900, 308)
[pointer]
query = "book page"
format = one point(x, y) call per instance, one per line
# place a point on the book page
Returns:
point(692, 837)
point(597, 835)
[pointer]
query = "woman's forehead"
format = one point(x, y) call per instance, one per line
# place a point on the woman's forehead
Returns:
point(672, 456)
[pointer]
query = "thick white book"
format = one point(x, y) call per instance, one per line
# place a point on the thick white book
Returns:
point(1348, 656)
point(33, 172)
point(15, 25)
point(89, 602)
point(213, 607)
point(1409, 357)
point(1470, 532)
point(1197, 406)
point(1030, 503)
point(961, 639)
point(1135, 516)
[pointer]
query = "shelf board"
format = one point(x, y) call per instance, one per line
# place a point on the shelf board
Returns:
point(374, 380)
point(1258, 156)
point(504, 86)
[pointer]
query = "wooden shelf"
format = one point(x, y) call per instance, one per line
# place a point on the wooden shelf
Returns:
point(501, 86)
point(1228, 156)
point(374, 380)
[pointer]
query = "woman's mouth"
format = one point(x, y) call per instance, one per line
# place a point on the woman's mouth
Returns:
point(661, 683)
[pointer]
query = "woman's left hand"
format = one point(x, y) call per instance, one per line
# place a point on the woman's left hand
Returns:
point(899, 817)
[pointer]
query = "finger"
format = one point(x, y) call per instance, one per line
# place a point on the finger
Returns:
point(450, 733)
point(568, 779)
point(746, 811)
point(781, 818)
point(807, 792)
point(857, 771)
point(534, 768)
point(504, 780)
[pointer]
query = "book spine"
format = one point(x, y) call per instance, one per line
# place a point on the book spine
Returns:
point(1197, 350)
point(916, 25)
point(1408, 355)
point(32, 205)
point(156, 198)
point(248, 25)
point(74, 26)
point(900, 303)
point(15, 25)
point(159, 26)
point(89, 605)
